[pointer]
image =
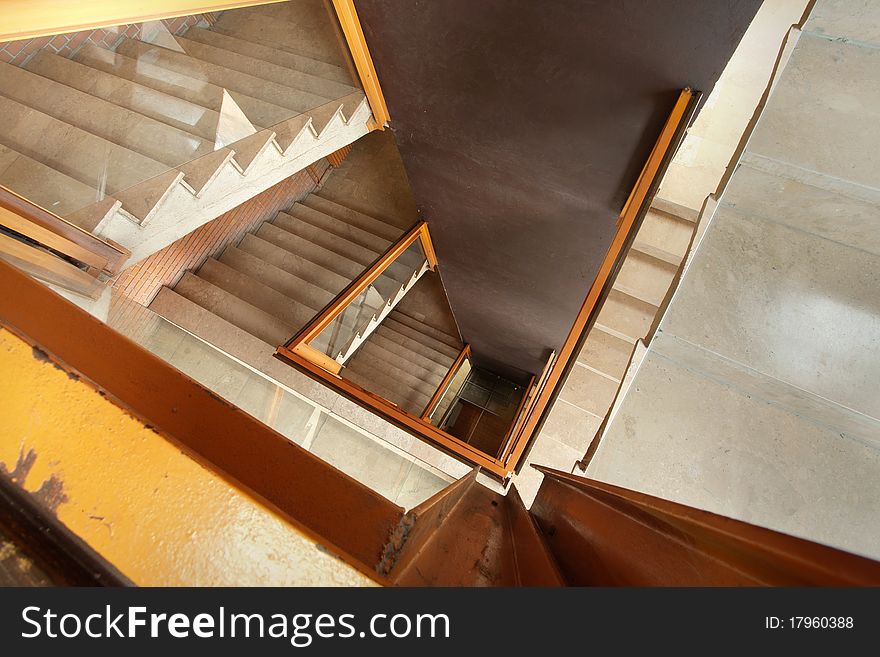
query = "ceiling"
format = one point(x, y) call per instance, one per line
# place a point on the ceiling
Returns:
point(523, 126)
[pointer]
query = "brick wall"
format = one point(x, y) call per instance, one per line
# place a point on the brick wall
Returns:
point(19, 52)
point(142, 281)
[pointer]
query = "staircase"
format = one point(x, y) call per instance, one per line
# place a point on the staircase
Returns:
point(277, 278)
point(404, 361)
point(146, 143)
point(627, 316)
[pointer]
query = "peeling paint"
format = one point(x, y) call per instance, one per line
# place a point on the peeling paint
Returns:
point(43, 357)
point(50, 494)
point(395, 544)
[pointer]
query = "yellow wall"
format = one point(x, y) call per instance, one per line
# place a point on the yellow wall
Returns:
point(155, 513)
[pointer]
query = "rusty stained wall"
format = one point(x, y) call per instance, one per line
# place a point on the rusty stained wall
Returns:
point(153, 512)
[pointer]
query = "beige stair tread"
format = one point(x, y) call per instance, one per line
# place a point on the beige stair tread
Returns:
point(409, 399)
point(625, 316)
point(278, 279)
point(398, 368)
point(210, 47)
point(174, 111)
point(380, 339)
point(606, 352)
point(427, 329)
point(645, 277)
point(386, 331)
point(430, 372)
point(233, 81)
point(353, 217)
point(393, 322)
point(116, 124)
point(342, 228)
point(294, 314)
point(675, 209)
point(249, 318)
point(666, 233)
point(283, 58)
point(308, 35)
point(74, 152)
point(43, 185)
point(292, 263)
point(326, 239)
point(310, 251)
point(195, 90)
point(656, 252)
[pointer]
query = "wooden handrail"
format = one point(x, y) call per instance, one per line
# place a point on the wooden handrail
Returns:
point(444, 383)
point(54, 232)
point(300, 342)
point(634, 210)
point(363, 61)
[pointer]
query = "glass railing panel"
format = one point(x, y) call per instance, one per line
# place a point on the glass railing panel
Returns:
point(370, 306)
point(451, 393)
point(366, 457)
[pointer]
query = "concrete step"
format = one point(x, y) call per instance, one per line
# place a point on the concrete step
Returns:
point(606, 352)
point(427, 329)
point(74, 152)
point(660, 204)
point(297, 288)
point(212, 47)
point(245, 316)
point(283, 58)
point(413, 344)
point(402, 368)
point(410, 400)
point(394, 322)
point(312, 252)
point(249, 85)
point(43, 185)
point(228, 337)
point(381, 339)
point(431, 372)
point(294, 314)
point(196, 90)
point(116, 124)
point(589, 390)
point(270, 252)
point(665, 233)
point(326, 239)
point(353, 217)
point(339, 227)
point(392, 370)
point(302, 28)
point(626, 317)
point(645, 277)
point(168, 109)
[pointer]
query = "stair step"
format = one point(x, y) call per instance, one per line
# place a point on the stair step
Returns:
point(296, 28)
point(294, 264)
point(353, 217)
point(307, 249)
point(393, 322)
point(116, 124)
point(606, 352)
point(625, 316)
point(168, 109)
point(432, 373)
point(645, 277)
point(341, 228)
point(326, 239)
point(43, 185)
point(676, 210)
point(200, 321)
point(74, 152)
point(271, 92)
point(657, 253)
point(294, 314)
point(249, 318)
point(409, 399)
point(398, 369)
point(381, 339)
point(416, 345)
point(266, 53)
point(195, 90)
point(212, 47)
point(278, 279)
point(665, 234)
point(427, 329)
